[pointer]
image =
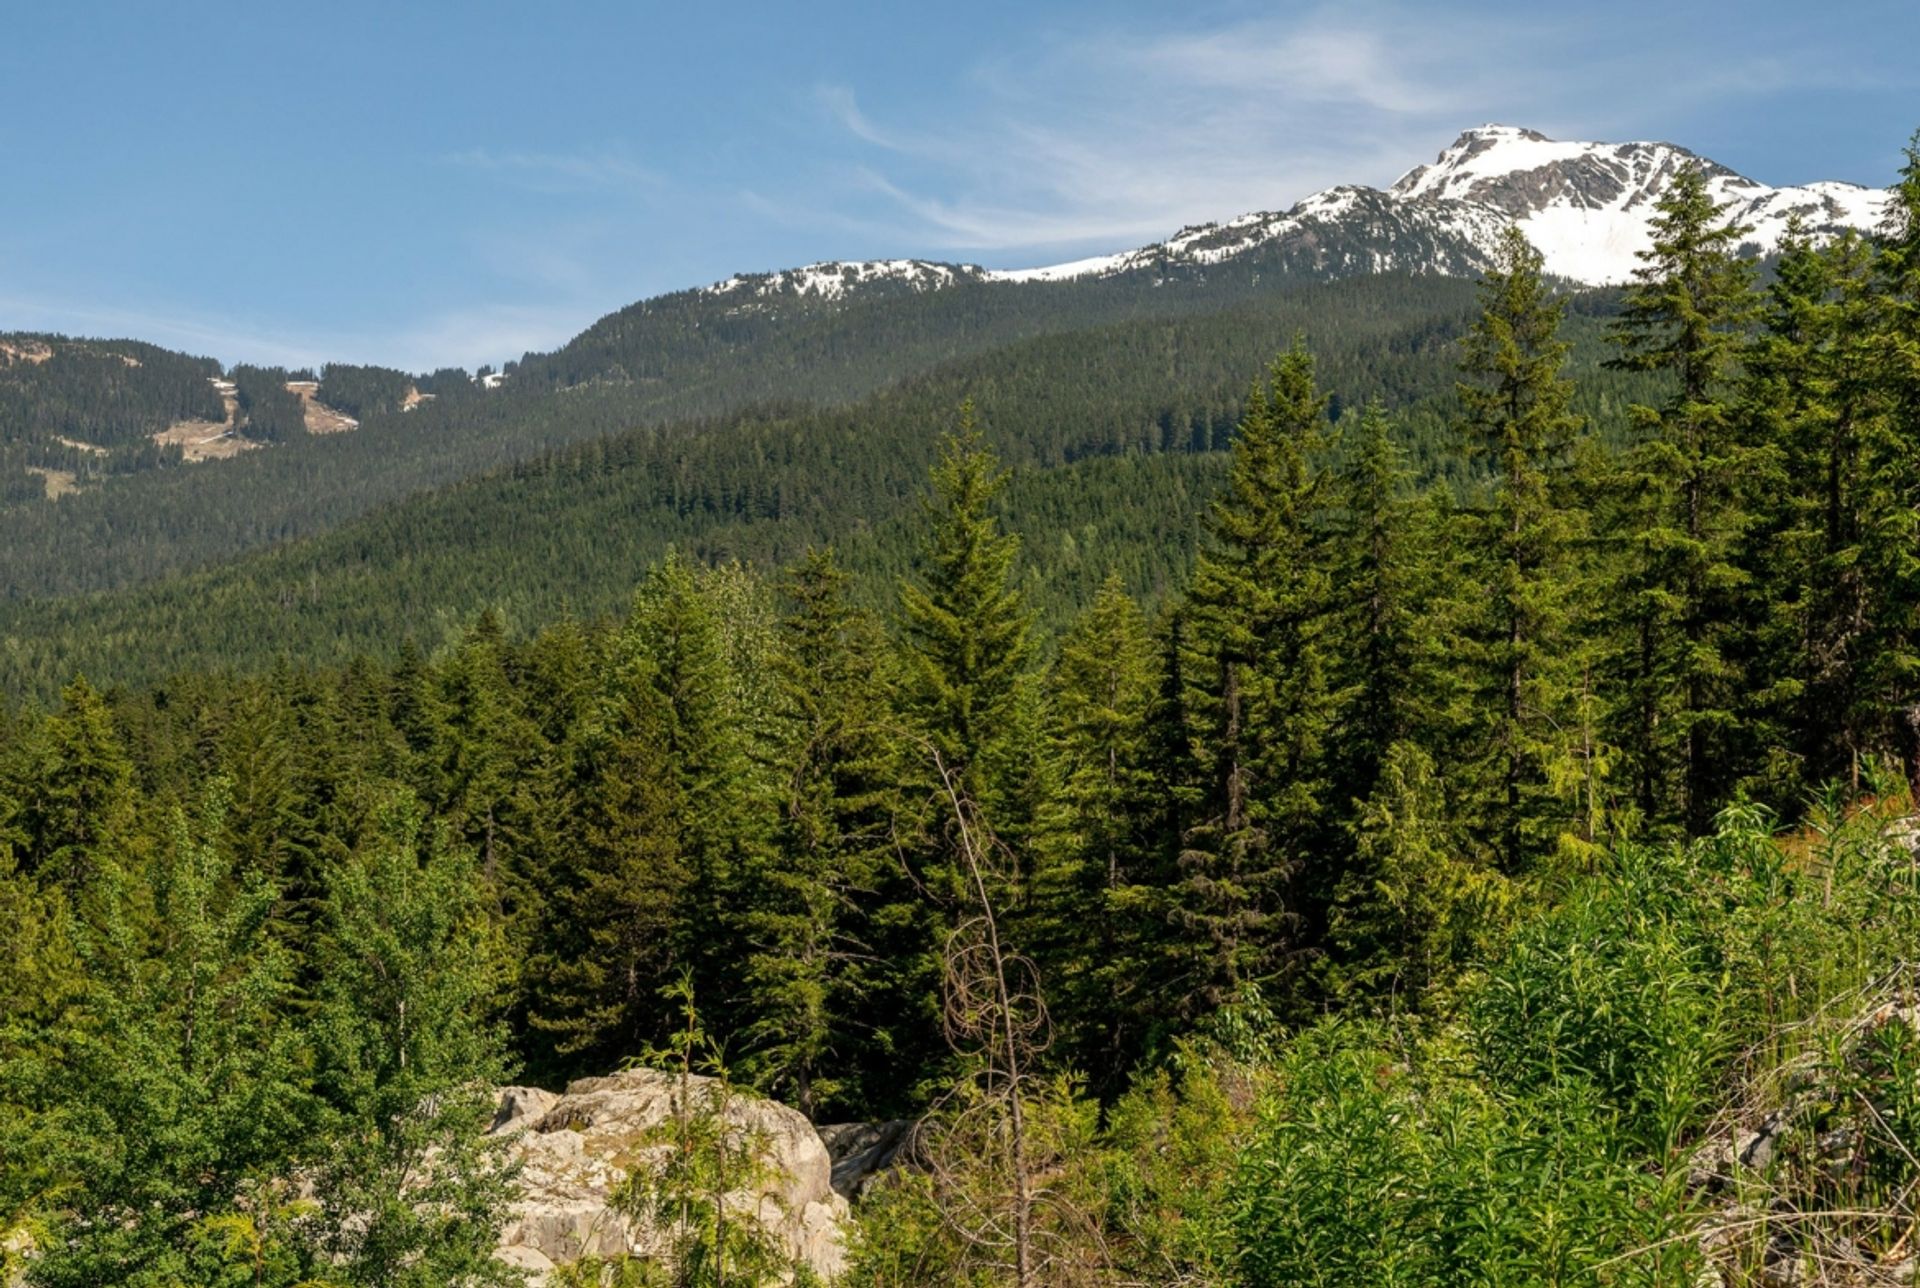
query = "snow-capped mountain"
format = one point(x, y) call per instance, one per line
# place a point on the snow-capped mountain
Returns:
point(1587, 207)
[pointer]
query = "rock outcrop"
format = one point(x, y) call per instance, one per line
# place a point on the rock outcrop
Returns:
point(575, 1148)
point(862, 1150)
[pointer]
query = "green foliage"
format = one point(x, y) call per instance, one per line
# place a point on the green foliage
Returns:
point(822, 893)
point(686, 1182)
point(1523, 655)
point(365, 391)
point(967, 627)
point(1444, 734)
point(1680, 521)
point(1259, 690)
point(1411, 912)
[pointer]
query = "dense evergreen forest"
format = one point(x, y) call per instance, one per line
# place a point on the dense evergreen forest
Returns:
point(1392, 892)
point(89, 408)
point(1117, 434)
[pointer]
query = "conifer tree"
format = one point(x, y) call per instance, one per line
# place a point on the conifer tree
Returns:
point(1379, 664)
point(183, 1085)
point(809, 923)
point(1259, 690)
point(410, 1190)
point(719, 794)
point(1101, 888)
point(487, 739)
point(1816, 414)
point(81, 811)
point(1522, 645)
point(1685, 316)
point(420, 719)
point(617, 920)
point(1894, 557)
point(1411, 909)
point(966, 622)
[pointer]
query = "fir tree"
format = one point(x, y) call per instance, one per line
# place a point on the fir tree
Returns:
point(808, 925)
point(81, 811)
point(1685, 316)
point(1894, 468)
point(1523, 647)
point(677, 645)
point(1379, 668)
point(1259, 690)
point(966, 623)
point(1815, 413)
point(1101, 887)
point(617, 917)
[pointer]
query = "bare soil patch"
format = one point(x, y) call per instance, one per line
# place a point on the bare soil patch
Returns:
point(321, 419)
point(24, 351)
point(203, 440)
point(58, 483)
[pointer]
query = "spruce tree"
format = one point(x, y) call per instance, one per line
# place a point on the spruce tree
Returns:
point(80, 815)
point(1816, 414)
point(810, 922)
point(1259, 692)
point(1379, 663)
point(1894, 469)
point(677, 644)
point(1522, 646)
point(1100, 889)
point(618, 919)
point(1685, 317)
point(967, 625)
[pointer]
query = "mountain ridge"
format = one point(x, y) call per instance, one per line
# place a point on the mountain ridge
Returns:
point(1586, 206)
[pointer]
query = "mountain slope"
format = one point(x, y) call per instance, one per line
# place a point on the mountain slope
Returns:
point(1586, 206)
point(1116, 436)
point(829, 335)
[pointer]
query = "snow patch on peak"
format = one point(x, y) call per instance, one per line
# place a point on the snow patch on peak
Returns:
point(832, 279)
point(1587, 207)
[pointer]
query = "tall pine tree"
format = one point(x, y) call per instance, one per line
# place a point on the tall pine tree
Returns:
point(1685, 317)
point(1522, 645)
point(1259, 693)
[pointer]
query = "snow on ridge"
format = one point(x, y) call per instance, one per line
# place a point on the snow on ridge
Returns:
point(832, 279)
point(1093, 266)
point(1587, 207)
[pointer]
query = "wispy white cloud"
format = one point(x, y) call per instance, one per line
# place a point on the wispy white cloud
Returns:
point(461, 337)
point(1125, 134)
point(228, 339)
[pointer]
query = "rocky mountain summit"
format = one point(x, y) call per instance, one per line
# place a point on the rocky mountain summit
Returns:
point(1588, 207)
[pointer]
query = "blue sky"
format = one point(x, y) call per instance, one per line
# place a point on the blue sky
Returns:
point(425, 184)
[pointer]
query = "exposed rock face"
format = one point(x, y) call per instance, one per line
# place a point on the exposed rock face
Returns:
point(861, 1150)
point(577, 1147)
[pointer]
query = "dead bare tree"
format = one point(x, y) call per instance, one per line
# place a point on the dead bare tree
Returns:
point(996, 1019)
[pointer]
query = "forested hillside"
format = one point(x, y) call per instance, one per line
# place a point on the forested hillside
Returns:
point(1116, 435)
point(86, 410)
point(1452, 877)
point(682, 361)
